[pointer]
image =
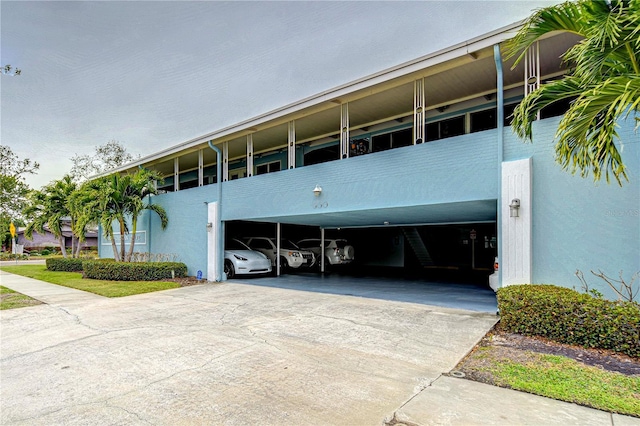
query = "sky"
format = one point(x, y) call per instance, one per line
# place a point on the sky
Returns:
point(153, 74)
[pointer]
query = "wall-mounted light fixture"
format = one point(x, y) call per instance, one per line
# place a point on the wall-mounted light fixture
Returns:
point(317, 190)
point(209, 226)
point(514, 208)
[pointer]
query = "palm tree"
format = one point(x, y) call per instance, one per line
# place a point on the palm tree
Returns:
point(50, 207)
point(120, 198)
point(603, 84)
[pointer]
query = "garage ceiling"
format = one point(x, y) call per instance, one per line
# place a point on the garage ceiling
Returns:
point(459, 212)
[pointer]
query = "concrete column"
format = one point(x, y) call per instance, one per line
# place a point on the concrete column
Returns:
point(516, 261)
point(214, 266)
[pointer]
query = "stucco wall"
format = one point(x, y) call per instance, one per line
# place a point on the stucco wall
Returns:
point(579, 224)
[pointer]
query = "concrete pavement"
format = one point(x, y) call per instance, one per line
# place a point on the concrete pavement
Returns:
point(236, 354)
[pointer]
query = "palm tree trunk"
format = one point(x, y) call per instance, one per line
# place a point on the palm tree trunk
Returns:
point(78, 248)
point(63, 249)
point(116, 254)
point(134, 226)
point(122, 248)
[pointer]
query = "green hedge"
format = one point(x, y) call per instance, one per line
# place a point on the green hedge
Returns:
point(62, 264)
point(566, 316)
point(133, 271)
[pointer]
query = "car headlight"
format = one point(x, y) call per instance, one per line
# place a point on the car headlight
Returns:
point(294, 254)
point(240, 257)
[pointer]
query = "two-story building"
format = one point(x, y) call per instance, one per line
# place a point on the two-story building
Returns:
point(416, 165)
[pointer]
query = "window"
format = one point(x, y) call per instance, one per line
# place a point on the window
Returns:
point(392, 140)
point(557, 108)
point(483, 120)
point(359, 147)
point(322, 155)
point(445, 128)
point(268, 168)
point(381, 142)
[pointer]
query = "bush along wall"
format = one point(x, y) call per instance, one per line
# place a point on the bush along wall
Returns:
point(125, 271)
point(566, 316)
point(64, 264)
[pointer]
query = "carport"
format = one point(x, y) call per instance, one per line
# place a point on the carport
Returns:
point(429, 281)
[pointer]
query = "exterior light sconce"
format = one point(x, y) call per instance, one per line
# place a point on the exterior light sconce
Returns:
point(209, 226)
point(317, 190)
point(514, 208)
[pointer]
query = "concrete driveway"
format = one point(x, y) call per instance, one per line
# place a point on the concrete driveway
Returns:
point(231, 353)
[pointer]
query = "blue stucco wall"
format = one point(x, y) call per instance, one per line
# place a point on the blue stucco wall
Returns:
point(579, 224)
point(456, 169)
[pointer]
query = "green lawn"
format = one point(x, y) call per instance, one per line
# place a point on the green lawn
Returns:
point(565, 379)
point(10, 299)
point(101, 287)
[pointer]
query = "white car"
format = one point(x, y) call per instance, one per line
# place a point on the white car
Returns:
point(240, 259)
point(493, 278)
point(291, 256)
point(336, 251)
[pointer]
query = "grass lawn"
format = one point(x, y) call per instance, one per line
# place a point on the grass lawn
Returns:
point(101, 287)
point(10, 299)
point(559, 377)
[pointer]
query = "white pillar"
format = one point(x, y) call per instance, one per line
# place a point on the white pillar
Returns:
point(344, 131)
point(418, 112)
point(176, 174)
point(200, 167)
point(225, 161)
point(249, 155)
point(516, 262)
point(214, 268)
point(291, 145)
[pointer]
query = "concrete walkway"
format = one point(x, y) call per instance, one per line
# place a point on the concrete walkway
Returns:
point(238, 354)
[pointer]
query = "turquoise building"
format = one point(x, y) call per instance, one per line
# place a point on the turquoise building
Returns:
point(416, 166)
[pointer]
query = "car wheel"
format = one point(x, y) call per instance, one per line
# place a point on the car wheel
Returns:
point(284, 265)
point(229, 269)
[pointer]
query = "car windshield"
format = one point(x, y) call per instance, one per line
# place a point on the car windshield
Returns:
point(236, 245)
point(288, 245)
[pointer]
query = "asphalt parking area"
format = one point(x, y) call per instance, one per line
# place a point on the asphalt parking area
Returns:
point(229, 353)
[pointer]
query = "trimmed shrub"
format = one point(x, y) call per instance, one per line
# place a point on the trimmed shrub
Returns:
point(566, 316)
point(62, 264)
point(104, 269)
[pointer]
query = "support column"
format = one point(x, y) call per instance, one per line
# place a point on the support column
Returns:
point(249, 155)
point(344, 131)
point(225, 161)
point(200, 167)
point(291, 145)
point(532, 70)
point(322, 256)
point(176, 174)
point(516, 261)
point(419, 134)
point(214, 233)
point(278, 265)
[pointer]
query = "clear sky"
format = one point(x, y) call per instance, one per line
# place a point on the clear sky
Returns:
point(153, 74)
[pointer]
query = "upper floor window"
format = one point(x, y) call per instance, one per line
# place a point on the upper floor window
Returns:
point(445, 128)
point(262, 169)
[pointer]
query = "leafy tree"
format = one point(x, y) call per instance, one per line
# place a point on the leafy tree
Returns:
point(121, 199)
point(13, 189)
point(51, 206)
point(604, 80)
point(106, 157)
